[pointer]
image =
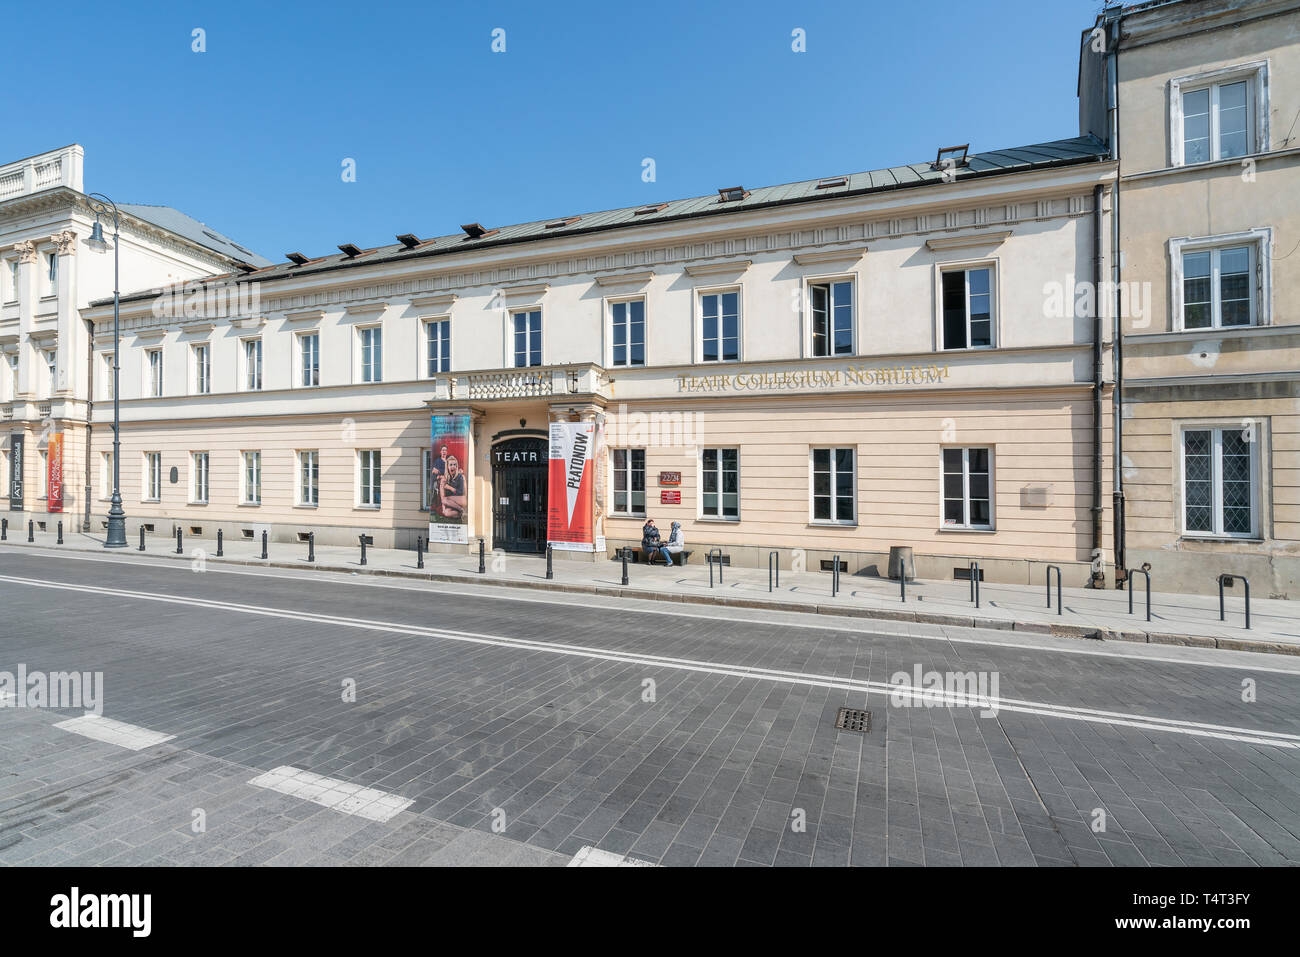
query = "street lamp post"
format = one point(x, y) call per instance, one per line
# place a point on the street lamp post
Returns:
point(102, 205)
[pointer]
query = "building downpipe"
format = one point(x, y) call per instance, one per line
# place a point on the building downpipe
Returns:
point(1116, 254)
point(1098, 579)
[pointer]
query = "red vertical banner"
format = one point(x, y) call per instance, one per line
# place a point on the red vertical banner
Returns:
point(571, 484)
point(54, 473)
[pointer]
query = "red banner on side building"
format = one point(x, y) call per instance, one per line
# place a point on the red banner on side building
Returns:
point(571, 485)
point(54, 473)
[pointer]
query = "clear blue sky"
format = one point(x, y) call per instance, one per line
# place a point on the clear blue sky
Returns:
point(250, 136)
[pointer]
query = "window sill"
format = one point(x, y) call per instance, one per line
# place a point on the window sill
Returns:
point(308, 507)
point(715, 520)
point(816, 524)
point(1220, 539)
point(366, 508)
point(978, 529)
point(971, 349)
point(249, 505)
point(628, 516)
point(198, 503)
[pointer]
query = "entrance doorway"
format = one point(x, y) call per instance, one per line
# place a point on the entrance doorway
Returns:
point(519, 475)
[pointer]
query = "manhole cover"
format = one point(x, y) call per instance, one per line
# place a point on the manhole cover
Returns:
point(853, 719)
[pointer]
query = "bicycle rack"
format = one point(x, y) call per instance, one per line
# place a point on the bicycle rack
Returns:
point(1059, 609)
point(1226, 581)
point(1147, 576)
point(710, 560)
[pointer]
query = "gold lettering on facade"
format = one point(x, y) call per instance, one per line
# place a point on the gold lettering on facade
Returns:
point(814, 378)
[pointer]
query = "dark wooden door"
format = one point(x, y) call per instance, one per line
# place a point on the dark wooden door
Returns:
point(519, 477)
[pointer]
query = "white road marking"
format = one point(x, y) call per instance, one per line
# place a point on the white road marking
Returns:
point(884, 689)
point(853, 624)
point(370, 803)
point(124, 735)
point(594, 857)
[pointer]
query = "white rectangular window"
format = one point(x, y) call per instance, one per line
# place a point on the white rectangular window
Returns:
point(720, 326)
point(199, 473)
point(309, 478)
point(1219, 287)
point(105, 475)
point(202, 369)
point(627, 332)
point(250, 480)
point(437, 347)
point(309, 359)
point(51, 368)
point(253, 365)
point(967, 308)
point(11, 274)
point(51, 274)
point(831, 315)
point(1219, 482)
point(720, 483)
point(1218, 121)
point(153, 476)
point(109, 380)
point(834, 486)
point(372, 354)
point(42, 473)
point(368, 478)
point(629, 481)
point(154, 370)
point(528, 338)
point(967, 484)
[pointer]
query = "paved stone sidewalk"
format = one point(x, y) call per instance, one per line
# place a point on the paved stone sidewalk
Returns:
point(1176, 619)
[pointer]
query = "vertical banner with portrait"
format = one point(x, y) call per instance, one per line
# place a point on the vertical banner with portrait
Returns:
point(448, 480)
point(54, 473)
point(570, 486)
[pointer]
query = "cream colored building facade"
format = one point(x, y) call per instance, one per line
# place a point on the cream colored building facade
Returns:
point(1208, 95)
point(47, 275)
point(831, 368)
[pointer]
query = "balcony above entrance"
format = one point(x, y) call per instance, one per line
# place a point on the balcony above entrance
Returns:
point(534, 382)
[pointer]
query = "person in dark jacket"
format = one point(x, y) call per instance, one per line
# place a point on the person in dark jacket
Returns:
point(652, 544)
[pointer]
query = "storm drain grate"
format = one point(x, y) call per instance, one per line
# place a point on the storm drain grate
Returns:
point(853, 719)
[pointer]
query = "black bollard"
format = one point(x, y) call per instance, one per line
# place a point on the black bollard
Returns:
point(363, 549)
point(180, 548)
point(220, 543)
point(263, 544)
point(624, 553)
point(60, 541)
point(550, 572)
point(4, 529)
point(419, 551)
point(482, 563)
point(311, 546)
point(31, 530)
point(141, 538)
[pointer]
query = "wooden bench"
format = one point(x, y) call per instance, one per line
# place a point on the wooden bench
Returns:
point(637, 554)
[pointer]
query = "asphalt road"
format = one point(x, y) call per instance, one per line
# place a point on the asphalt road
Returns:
point(523, 729)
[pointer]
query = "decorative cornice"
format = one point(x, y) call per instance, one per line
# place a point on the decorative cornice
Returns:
point(249, 322)
point(625, 278)
point(365, 308)
point(851, 254)
point(305, 315)
point(715, 269)
point(442, 302)
point(531, 291)
point(968, 239)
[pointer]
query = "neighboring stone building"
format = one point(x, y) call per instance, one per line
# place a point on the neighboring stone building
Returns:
point(1208, 96)
point(47, 274)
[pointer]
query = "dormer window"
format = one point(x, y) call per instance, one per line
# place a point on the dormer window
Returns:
point(732, 194)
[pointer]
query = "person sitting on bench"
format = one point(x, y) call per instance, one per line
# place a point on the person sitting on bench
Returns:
point(652, 544)
point(676, 542)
